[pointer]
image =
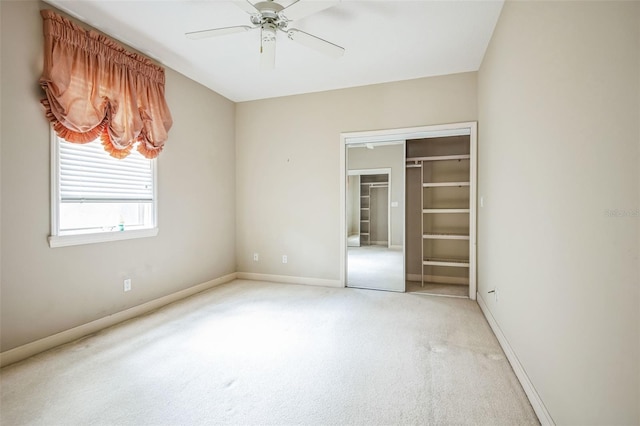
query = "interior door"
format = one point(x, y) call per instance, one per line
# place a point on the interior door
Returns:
point(378, 262)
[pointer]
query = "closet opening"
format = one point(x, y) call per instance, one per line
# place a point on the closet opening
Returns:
point(439, 215)
point(432, 209)
point(369, 225)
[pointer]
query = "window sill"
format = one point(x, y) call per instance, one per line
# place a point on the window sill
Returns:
point(101, 237)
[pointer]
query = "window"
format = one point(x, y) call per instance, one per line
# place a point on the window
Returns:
point(96, 197)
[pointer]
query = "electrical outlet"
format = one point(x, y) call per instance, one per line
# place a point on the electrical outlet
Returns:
point(284, 258)
point(127, 284)
point(495, 294)
point(256, 257)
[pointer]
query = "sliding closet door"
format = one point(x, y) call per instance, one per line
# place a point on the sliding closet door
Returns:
point(378, 263)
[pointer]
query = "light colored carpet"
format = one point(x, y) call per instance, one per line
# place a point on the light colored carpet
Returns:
point(261, 353)
point(437, 289)
point(375, 267)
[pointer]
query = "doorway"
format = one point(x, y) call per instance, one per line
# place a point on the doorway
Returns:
point(368, 205)
point(433, 263)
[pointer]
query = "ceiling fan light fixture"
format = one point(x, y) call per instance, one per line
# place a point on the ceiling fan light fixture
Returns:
point(268, 33)
point(268, 46)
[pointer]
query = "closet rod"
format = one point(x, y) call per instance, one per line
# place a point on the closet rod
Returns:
point(439, 158)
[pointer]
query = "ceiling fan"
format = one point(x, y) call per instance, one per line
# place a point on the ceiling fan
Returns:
point(271, 17)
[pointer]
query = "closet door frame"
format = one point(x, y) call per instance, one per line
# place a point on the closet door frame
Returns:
point(402, 134)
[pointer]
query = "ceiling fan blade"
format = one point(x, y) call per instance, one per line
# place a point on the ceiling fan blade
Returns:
point(247, 6)
point(315, 43)
point(268, 47)
point(300, 9)
point(217, 32)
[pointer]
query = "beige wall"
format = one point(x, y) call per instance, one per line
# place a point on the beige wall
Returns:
point(379, 222)
point(386, 156)
point(288, 164)
point(44, 290)
point(559, 99)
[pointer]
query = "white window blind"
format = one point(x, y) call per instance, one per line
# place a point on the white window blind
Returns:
point(89, 174)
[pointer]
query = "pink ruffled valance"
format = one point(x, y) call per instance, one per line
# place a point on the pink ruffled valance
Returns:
point(96, 88)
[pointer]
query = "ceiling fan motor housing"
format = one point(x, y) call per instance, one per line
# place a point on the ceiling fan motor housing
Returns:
point(269, 13)
point(271, 17)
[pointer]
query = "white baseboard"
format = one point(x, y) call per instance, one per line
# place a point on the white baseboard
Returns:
point(439, 279)
point(396, 247)
point(536, 402)
point(67, 336)
point(288, 279)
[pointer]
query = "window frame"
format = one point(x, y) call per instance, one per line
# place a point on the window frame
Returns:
point(57, 240)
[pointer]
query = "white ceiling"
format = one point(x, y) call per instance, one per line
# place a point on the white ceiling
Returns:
point(384, 41)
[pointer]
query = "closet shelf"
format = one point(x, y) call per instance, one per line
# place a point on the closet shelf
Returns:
point(444, 191)
point(445, 236)
point(458, 263)
point(439, 158)
point(443, 184)
point(445, 210)
point(366, 193)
